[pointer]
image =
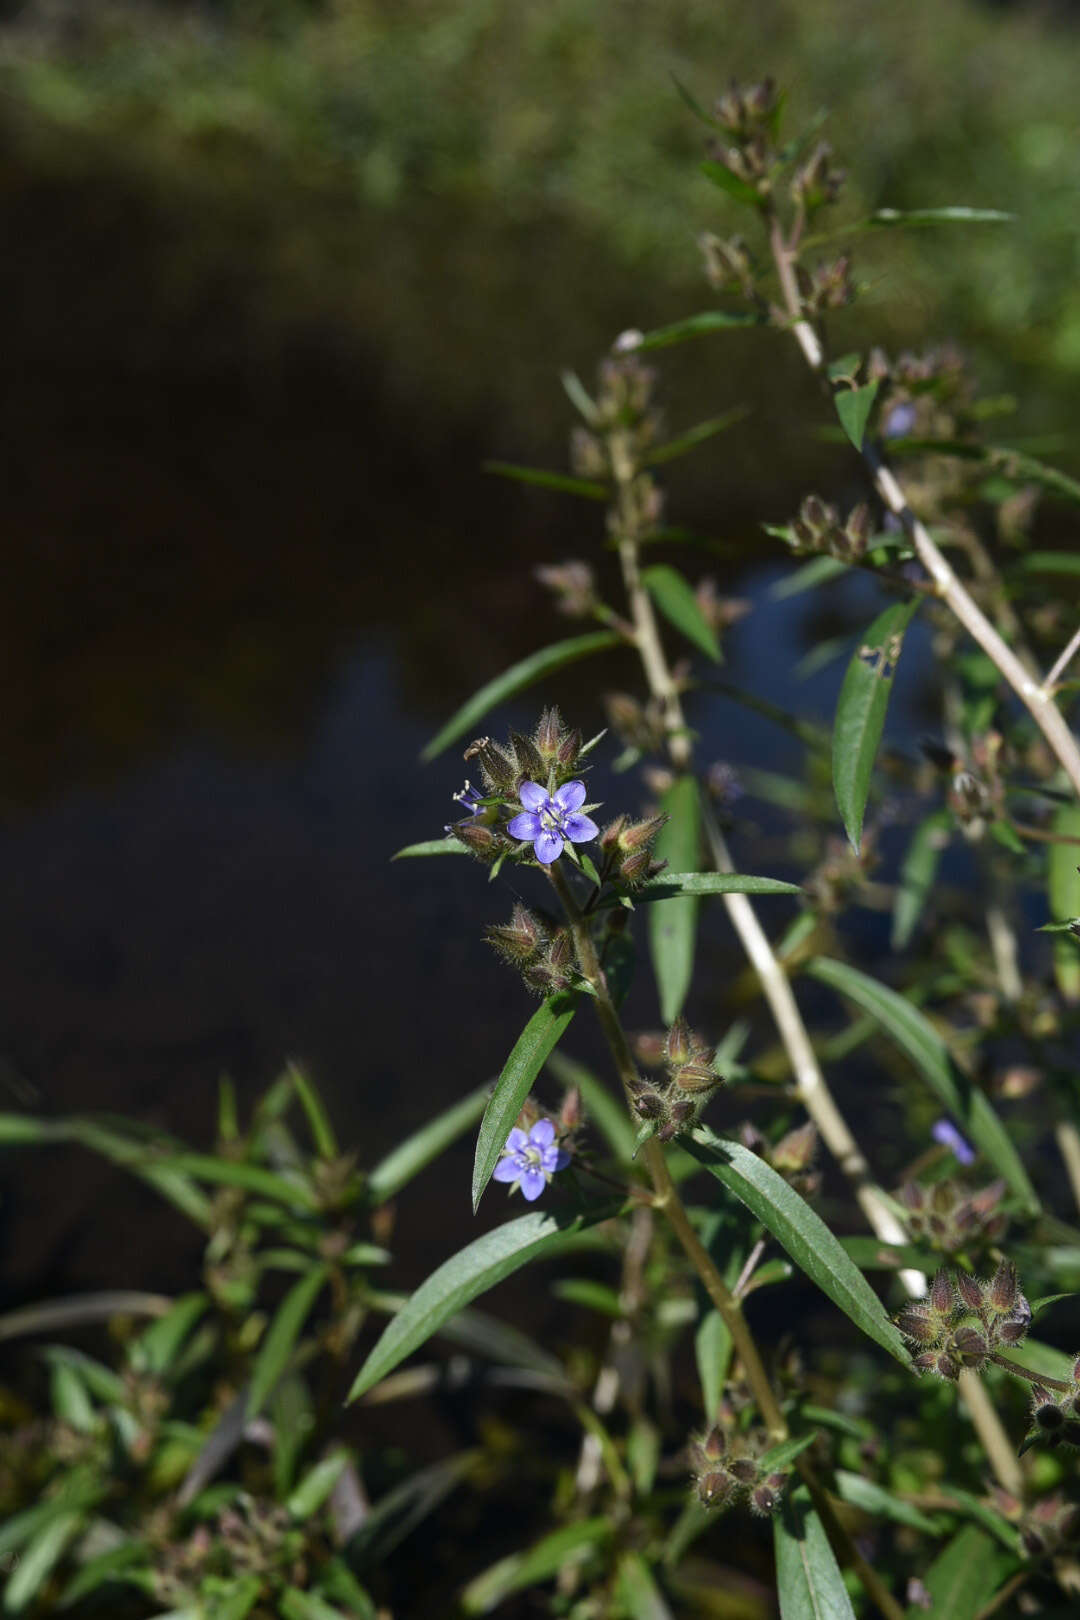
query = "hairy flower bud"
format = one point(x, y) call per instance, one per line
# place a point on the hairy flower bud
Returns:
point(573, 583)
point(970, 1292)
point(969, 1347)
point(942, 1295)
point(695, 1078)
point(796, 1150)
point(765, 1501)
point(715, 1488)
point(679, 1045)
point(1004, 1291)
point(520, 939)
point(499, 769)
point(641, 834)
point(915, 1323)
point(479, 840)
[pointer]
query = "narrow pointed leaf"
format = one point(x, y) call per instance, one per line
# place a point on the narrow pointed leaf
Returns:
point(316, 1485)
point(673, 922)
point(800, 1232)
point(561, 483)
point(875, 1500)
point(298, 1605)
point(783, 1455)
point(733, 184)
point(712, 320)
point(531, 1051)
point(395, 1515)
point(636, 1590)
point(914, 1034)
point(322, 1132)
point(410, 1157)
point(963, 1578)
point(712, 1350)
point(917, 874)
point(808, 1579)
point(39, 1558)
point(431, 846)
point(677, 602)
point(695, 436)
point(516, 679)
point(281, 1337)
point(461, 1279)
point(158, 1345)
point(692, 102)
point(284, 1189)
point(238, 1602)
point(885, 217)
point(853, 407)
point(1063, 887)
point(669, 885)
point(860, 713)
point(560, 1550)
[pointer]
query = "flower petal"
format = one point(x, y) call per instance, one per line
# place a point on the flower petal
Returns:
point(533, 796)
point(517, 1141)
point(532, 1184)
point(525, 826)
point(579, 829)
point(506, 1170)
point(547, 847)
point(562, 1159)
point(543, 1133)
point(569, 796)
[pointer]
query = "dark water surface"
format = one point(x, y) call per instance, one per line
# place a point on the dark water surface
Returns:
point(243, 582)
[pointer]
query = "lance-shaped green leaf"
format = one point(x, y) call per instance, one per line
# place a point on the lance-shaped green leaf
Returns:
point(431, 846)
point(117, 1564)
point(281, 1337)
point(808, 1579)
point(409, 1157)
point(713, 1350)
point(464, 1277)
point(784, 1454)
point(560, 1550)
point(963, 1578)
point(677, 602)
point(237, 1602)
point(879, 1503)
point(917, 873)
point(957, 215)
point(636, 1590)
point(732, 183)
point(514, 680)
point(800, 1232)
point(561, 483)
point(1063, 886)
point(668, 885)
point(694, 326)
point(395, 1515)
point(531, 1051)
point(298, 1605)
point(157, 1347)
point(860, 713)
point(316, 1485)
point(701, 434)
point(914, 1034)
point(673, 922)
point(853, 407)
point(39, 1558)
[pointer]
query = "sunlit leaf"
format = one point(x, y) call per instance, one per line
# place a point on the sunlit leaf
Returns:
point(853, 407)
point(316, 1485)
point(677, 602)
point(818, 571)
point(461, 1279)
point(39, 1558)
point(782, 1455)
point(673, 922)
point(860, 713)
point(914, 1034)
point(282, 1334)
point(808, 1579)
point(516, 679)
point(297, 1605)
point(238, 1602)
point(800, 1232)
point(431, 846)
point(669, 885)
point(411, 1156)
point(531, 1051)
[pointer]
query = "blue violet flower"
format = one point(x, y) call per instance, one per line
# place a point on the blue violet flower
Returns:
point(947, 1134)
point(547, 820)
point(531, 1160)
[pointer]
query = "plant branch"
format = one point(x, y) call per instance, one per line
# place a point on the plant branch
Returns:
point(1035, 696)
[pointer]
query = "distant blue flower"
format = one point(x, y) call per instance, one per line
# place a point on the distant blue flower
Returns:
point(947, 1134)
point(531, 1160)
point(545, 821)
point(899, 422)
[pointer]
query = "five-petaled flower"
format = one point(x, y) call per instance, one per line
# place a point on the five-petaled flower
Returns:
point(531, 1160)
point(546, 820)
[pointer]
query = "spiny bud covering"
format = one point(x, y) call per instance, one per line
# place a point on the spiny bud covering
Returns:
point(520, 939)
point(792, 1157)
point(951, 1218)
point(962, 1321)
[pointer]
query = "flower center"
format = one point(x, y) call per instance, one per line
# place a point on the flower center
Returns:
point(551, 817)
point(533, 1157)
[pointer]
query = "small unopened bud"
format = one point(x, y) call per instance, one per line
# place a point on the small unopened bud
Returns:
point(1004, 1290)
point(970, 1347)
point(716, 1488)
point(548, 735)
point(649, 1104)
point(641, 834)
point(479, 840)
point(970, 1291)
point(570, 1114)
point(573, 583)
point(650, 1047)
point(609, 838)
point(499, 769)
point(942, 1295)
point(915, 1323)
point(764, 1501)
point(743, 1470)
point(695, 1078)
point(1048, 1417)
point(635, 868)
point(857, 530)
point(569, 751)
point(796, 1150)
point(679, 1045)
point(520, 938)
point(947, 1366)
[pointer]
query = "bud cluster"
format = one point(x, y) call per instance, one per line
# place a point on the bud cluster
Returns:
point(952, 1218)
point(816, 181)
point(826, 286)
point(638, 726)
point(729, 264)
point(627, 849)
point(552, 755)
point(674, 1106)
point(1055, 1416)
point(748, 117)
point(726, 1467)
point(1050, 1527)
point(962, 1320)
point(818, 528)
point(573, 585)
point(542, 952)
point(791, 1157)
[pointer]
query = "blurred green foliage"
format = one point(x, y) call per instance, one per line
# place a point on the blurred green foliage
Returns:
point(473, 119)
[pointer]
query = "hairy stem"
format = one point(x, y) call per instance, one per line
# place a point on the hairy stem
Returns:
point(1035, 695)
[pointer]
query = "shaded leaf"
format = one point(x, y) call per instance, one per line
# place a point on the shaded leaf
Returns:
point(297, 1605)
point(516, 679)
point(733, 184)
point(606, 1111)
point(411, 1156)
point(785, 1453)
point(964, 1577)
point(158, 1345)
point(116, 1564)
point(879, 1503)
point(938, 216)
point(322, 1132)
point(693, 326)
point(396, 1515)
point(1063, 891)
point(712, 1350)
point(914, 1034)
point(800, 1232)
point(917, 874)
point(808, 1579)
point(637, 1592)
point(853, 407)
point(695, 436)
point(531, 1051)
point(860, 713)
point(77, 1308)
point(561, 483)
point(238, 1602)
point(818, 571)
point(560, 1550)
point(431, 846)
point(281, 1337)
point(283, 1188)
point(462, 1278)
point(673, 922)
